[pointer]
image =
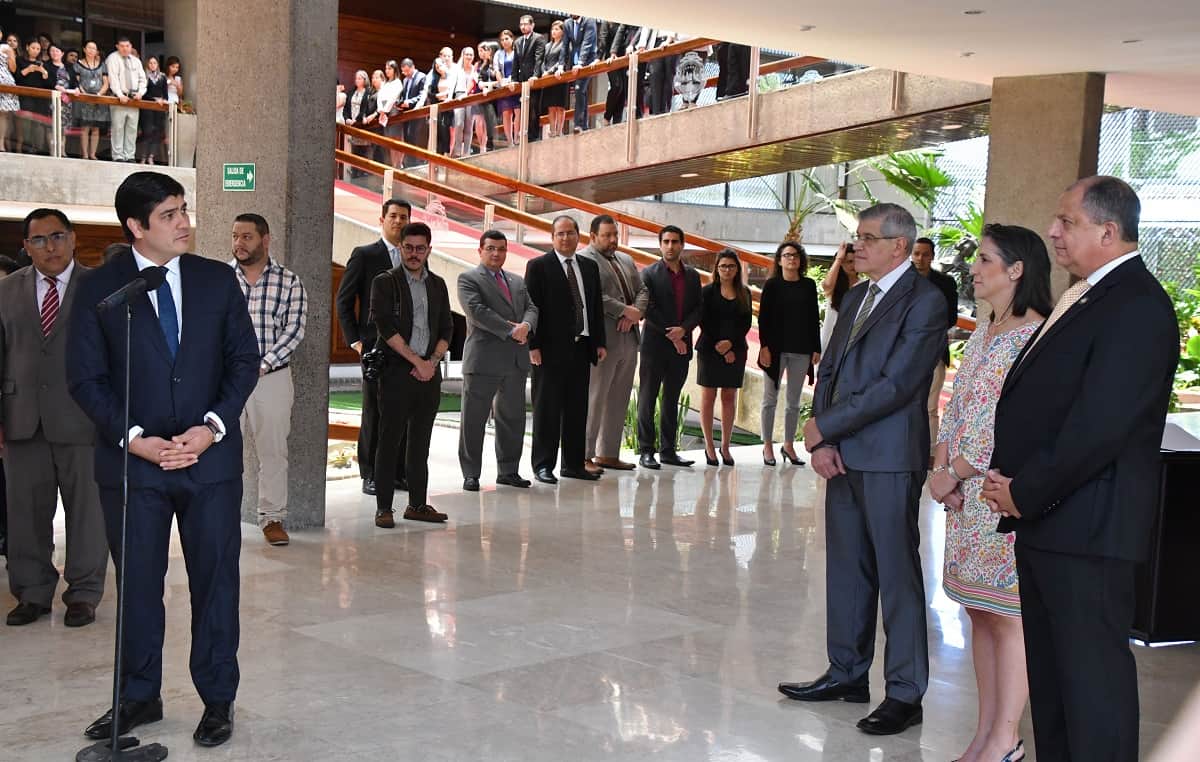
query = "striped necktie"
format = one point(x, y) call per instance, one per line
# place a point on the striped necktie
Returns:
point(1065, 302)
point(867, 305)
point(49, 306)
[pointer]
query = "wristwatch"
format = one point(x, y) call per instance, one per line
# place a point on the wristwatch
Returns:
point(218, 435)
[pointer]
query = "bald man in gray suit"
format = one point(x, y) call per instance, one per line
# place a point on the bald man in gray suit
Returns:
point(500, 316)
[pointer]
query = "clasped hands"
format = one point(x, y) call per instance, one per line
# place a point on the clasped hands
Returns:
point(826, 461)
point(181, 451)
point(630, 317)
point(675, 336)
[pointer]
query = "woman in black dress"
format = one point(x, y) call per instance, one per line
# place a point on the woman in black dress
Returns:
point(153, 123)
point(32, 72)
point(554, 99)
point(789, 332)
point(721, 350)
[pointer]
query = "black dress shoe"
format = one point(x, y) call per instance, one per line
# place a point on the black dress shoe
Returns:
point(133, 714)
point(647, 461)
point(216, 725)
point(512, 480)
point(826, 688)
point(891, 717)
point(471, 484)
point(368, 486)
point(672, 459)
point(79, 614)
point(26, 613)
point(578, 473)
point(545, 476)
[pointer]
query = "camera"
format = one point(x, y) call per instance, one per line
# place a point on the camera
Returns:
point(373, 361)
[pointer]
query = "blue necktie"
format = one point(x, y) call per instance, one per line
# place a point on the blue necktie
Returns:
point(168, 318)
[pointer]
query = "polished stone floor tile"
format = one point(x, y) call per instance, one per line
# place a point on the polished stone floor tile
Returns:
point(643, 616)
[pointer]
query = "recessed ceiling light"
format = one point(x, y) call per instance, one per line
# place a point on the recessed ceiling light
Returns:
point(1129, 42)
point(967, 53)
point(973, 13)
point(690, 174)
point(952, 126)
point(806, 27)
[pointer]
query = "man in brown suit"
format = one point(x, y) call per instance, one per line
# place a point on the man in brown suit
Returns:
point(47, 439)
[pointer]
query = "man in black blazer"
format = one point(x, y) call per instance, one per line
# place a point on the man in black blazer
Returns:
point(530, 51)
point(353, 311)
point(671, 317)
point(569, 340)
point(1075, 473)
point(412, 95)
point(869, 439)
point(195, 362)
point(922, 259)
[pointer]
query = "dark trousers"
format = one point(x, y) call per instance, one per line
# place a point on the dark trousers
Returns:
point(3, 512)
point(614, 102)
point(368, 434)
point(209, 519)
point(734, 69)
point(659, 367)
point(407, 409)
point(535, 116)
point(642, 76)
point(1077, 612)
point(582, 119)
point(560, 403)
point(872, 543)
point(662, 84)
point(412, 136)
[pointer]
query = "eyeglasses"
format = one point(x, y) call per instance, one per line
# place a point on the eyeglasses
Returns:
point(869, 238)
point(40, 241)
point(789, 255)
point(727, 267)
point(410, 249)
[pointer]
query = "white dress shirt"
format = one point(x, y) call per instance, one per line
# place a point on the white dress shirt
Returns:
point(1095, 277)
point(393, 252)
point(61, 282)
point(562, 260)
point(885, 284)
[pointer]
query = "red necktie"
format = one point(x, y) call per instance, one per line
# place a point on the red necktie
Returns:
point(503, 284)
point(49, 306)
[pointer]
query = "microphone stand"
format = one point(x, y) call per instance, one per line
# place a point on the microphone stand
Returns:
point(118, 749)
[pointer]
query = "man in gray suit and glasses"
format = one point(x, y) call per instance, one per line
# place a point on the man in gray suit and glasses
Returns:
point(870, 438)
point(500, 316)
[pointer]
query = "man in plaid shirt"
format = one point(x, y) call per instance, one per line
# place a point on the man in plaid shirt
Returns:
point(277, 303)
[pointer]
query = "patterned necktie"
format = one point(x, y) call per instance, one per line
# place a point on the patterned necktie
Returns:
point(867, 305)
point(575, 295)
point(503, 284)
point(168, 318)
point(1065, 302)
point(616, 266)
point(49, 306)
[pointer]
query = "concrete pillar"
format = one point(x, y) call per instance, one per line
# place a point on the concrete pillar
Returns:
point(265, 76)
point(1045, 135)
point(179, 20)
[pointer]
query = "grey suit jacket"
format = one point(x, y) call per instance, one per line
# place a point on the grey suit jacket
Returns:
point(489, 349)
point(33, 367)
point(610, 289)
point(882, 379)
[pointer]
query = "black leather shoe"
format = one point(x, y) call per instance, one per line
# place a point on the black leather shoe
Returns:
point(133, 714)
point(79, 614)
point(673, 459)
point(826, 688)
point(401, 485)
point(216, 725)
point(368, 486)
point(891, 717)
point(26, 613)
point(545, 476)
point(647, 461)
point(471, 484)
point(578, 473)
point(512, 480)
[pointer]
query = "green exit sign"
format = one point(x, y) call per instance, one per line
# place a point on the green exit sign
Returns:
point(237, 177)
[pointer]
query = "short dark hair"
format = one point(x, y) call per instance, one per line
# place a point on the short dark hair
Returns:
point(8, 265)
point(923, 239)
point(112, 250)
point(895, 222)
point(525, 18)
point(41, 214)
point(417, 228)
point(492, 235)
point(1108, 199)
point(123, 38)
point(172, 60)
point(1018, 244)
point(257, 220)
point(601, 219)
point(396, 202)
point(671, 229)
point(776, 270)
point(139, 193)
point(574, 221)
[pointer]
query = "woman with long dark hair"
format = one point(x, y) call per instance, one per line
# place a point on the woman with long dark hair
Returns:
point(9, 104)
point(1012, 273)
point(789, 332)
point(721, 351)
point(554, 99)
point(92, 118)
point(509, 108)
point(154, 123)
point(842, 276)
point(360, 104)
point(33, 72)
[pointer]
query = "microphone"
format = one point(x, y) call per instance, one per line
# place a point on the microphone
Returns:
point(148, 279)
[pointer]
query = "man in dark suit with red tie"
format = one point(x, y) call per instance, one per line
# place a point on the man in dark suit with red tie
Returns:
point(194, 362)
point(1075, 473)
point(569, 340)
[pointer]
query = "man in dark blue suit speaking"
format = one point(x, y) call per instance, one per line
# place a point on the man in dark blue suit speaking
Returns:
point(194, 363)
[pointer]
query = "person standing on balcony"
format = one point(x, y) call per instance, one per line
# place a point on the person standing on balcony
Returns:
point(672, 315)
point(412, 96)
point(92, 118)
point(278, 309)
point(9, 104)
point(359, 108)
point(509, 107)
point(554, 99)
point(624, 297)
point(127, 81)
point(614, 41)
point(354, 317)
point(922, 259)
point(154, 123)
point(530, 51)
point(581, 39)
point(33, 72)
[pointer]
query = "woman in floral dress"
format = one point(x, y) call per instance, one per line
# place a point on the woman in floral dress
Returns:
point(1012, 273)
point(9, 104)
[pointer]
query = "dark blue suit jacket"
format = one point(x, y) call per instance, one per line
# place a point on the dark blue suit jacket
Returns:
point(215, 368)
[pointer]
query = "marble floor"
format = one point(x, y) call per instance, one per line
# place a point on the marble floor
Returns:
point(644, 616)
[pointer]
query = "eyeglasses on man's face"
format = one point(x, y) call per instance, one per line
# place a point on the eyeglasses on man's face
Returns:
point(40, 241)
point(871, 238)
point(408, 248)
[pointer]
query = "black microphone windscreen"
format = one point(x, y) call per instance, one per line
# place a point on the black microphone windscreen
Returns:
point(154, 277)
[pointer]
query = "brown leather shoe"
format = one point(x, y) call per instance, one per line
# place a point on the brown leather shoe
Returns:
point(614, 463)
point(384, 520)
point(423, 513)
point(275, 534)
point(592, 467)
